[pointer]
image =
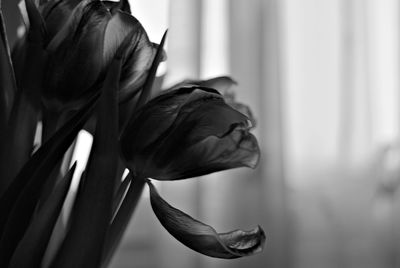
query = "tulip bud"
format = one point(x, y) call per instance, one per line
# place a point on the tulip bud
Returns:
point(187, 132)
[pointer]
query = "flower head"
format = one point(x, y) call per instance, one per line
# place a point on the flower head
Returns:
point(81, 39)
point(188, 132)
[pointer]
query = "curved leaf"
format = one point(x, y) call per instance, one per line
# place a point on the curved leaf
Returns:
point(122, 218)
point(93, 208)
point(203, 238)
point(147, 86)
point(32, 247)
point(19, 200)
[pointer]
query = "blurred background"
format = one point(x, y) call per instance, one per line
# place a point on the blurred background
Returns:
point(322, 78)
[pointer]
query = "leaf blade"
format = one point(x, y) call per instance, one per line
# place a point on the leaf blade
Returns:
point(32, 247)
point(18, 201)
point(93, 208)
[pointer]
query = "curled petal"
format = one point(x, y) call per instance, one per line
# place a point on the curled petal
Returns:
point(223, 84)
point(203, 238)
point(239, 148)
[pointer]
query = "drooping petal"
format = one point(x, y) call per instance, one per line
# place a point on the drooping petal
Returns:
point(203, 238)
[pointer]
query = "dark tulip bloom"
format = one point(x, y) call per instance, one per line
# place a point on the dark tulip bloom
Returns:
point(188, 132)
point(81, 39)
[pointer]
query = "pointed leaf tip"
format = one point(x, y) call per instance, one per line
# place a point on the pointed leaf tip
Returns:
point(203, 238)
point(146, 91)
point(32, 247)
point(37, 27)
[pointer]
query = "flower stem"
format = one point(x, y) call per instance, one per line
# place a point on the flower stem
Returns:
point(122, 218)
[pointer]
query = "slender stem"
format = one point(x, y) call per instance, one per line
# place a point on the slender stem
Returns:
point(122, 218)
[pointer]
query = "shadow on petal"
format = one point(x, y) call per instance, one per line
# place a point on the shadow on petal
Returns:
point(203, 238)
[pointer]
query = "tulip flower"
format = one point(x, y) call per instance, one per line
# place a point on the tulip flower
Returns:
point(188, 132)
point(81, 40)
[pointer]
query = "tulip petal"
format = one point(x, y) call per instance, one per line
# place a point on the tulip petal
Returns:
point(76, 56)
point(161, 111)
point(205, 114)
point(239, 148)
point(203, 238)
point(56, 14)
point(223, 84)
point(32, 247)
point(141, 51)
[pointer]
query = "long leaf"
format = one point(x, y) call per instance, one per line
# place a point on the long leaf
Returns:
point(7, 79)
point(19, 200)
point(148, 84)
point(25, 111)
point(122, 219)
point(8, 89)
point(121, 192)
point(20, 136)
point(31, 249)
point(134, 104)
point(93, 208)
